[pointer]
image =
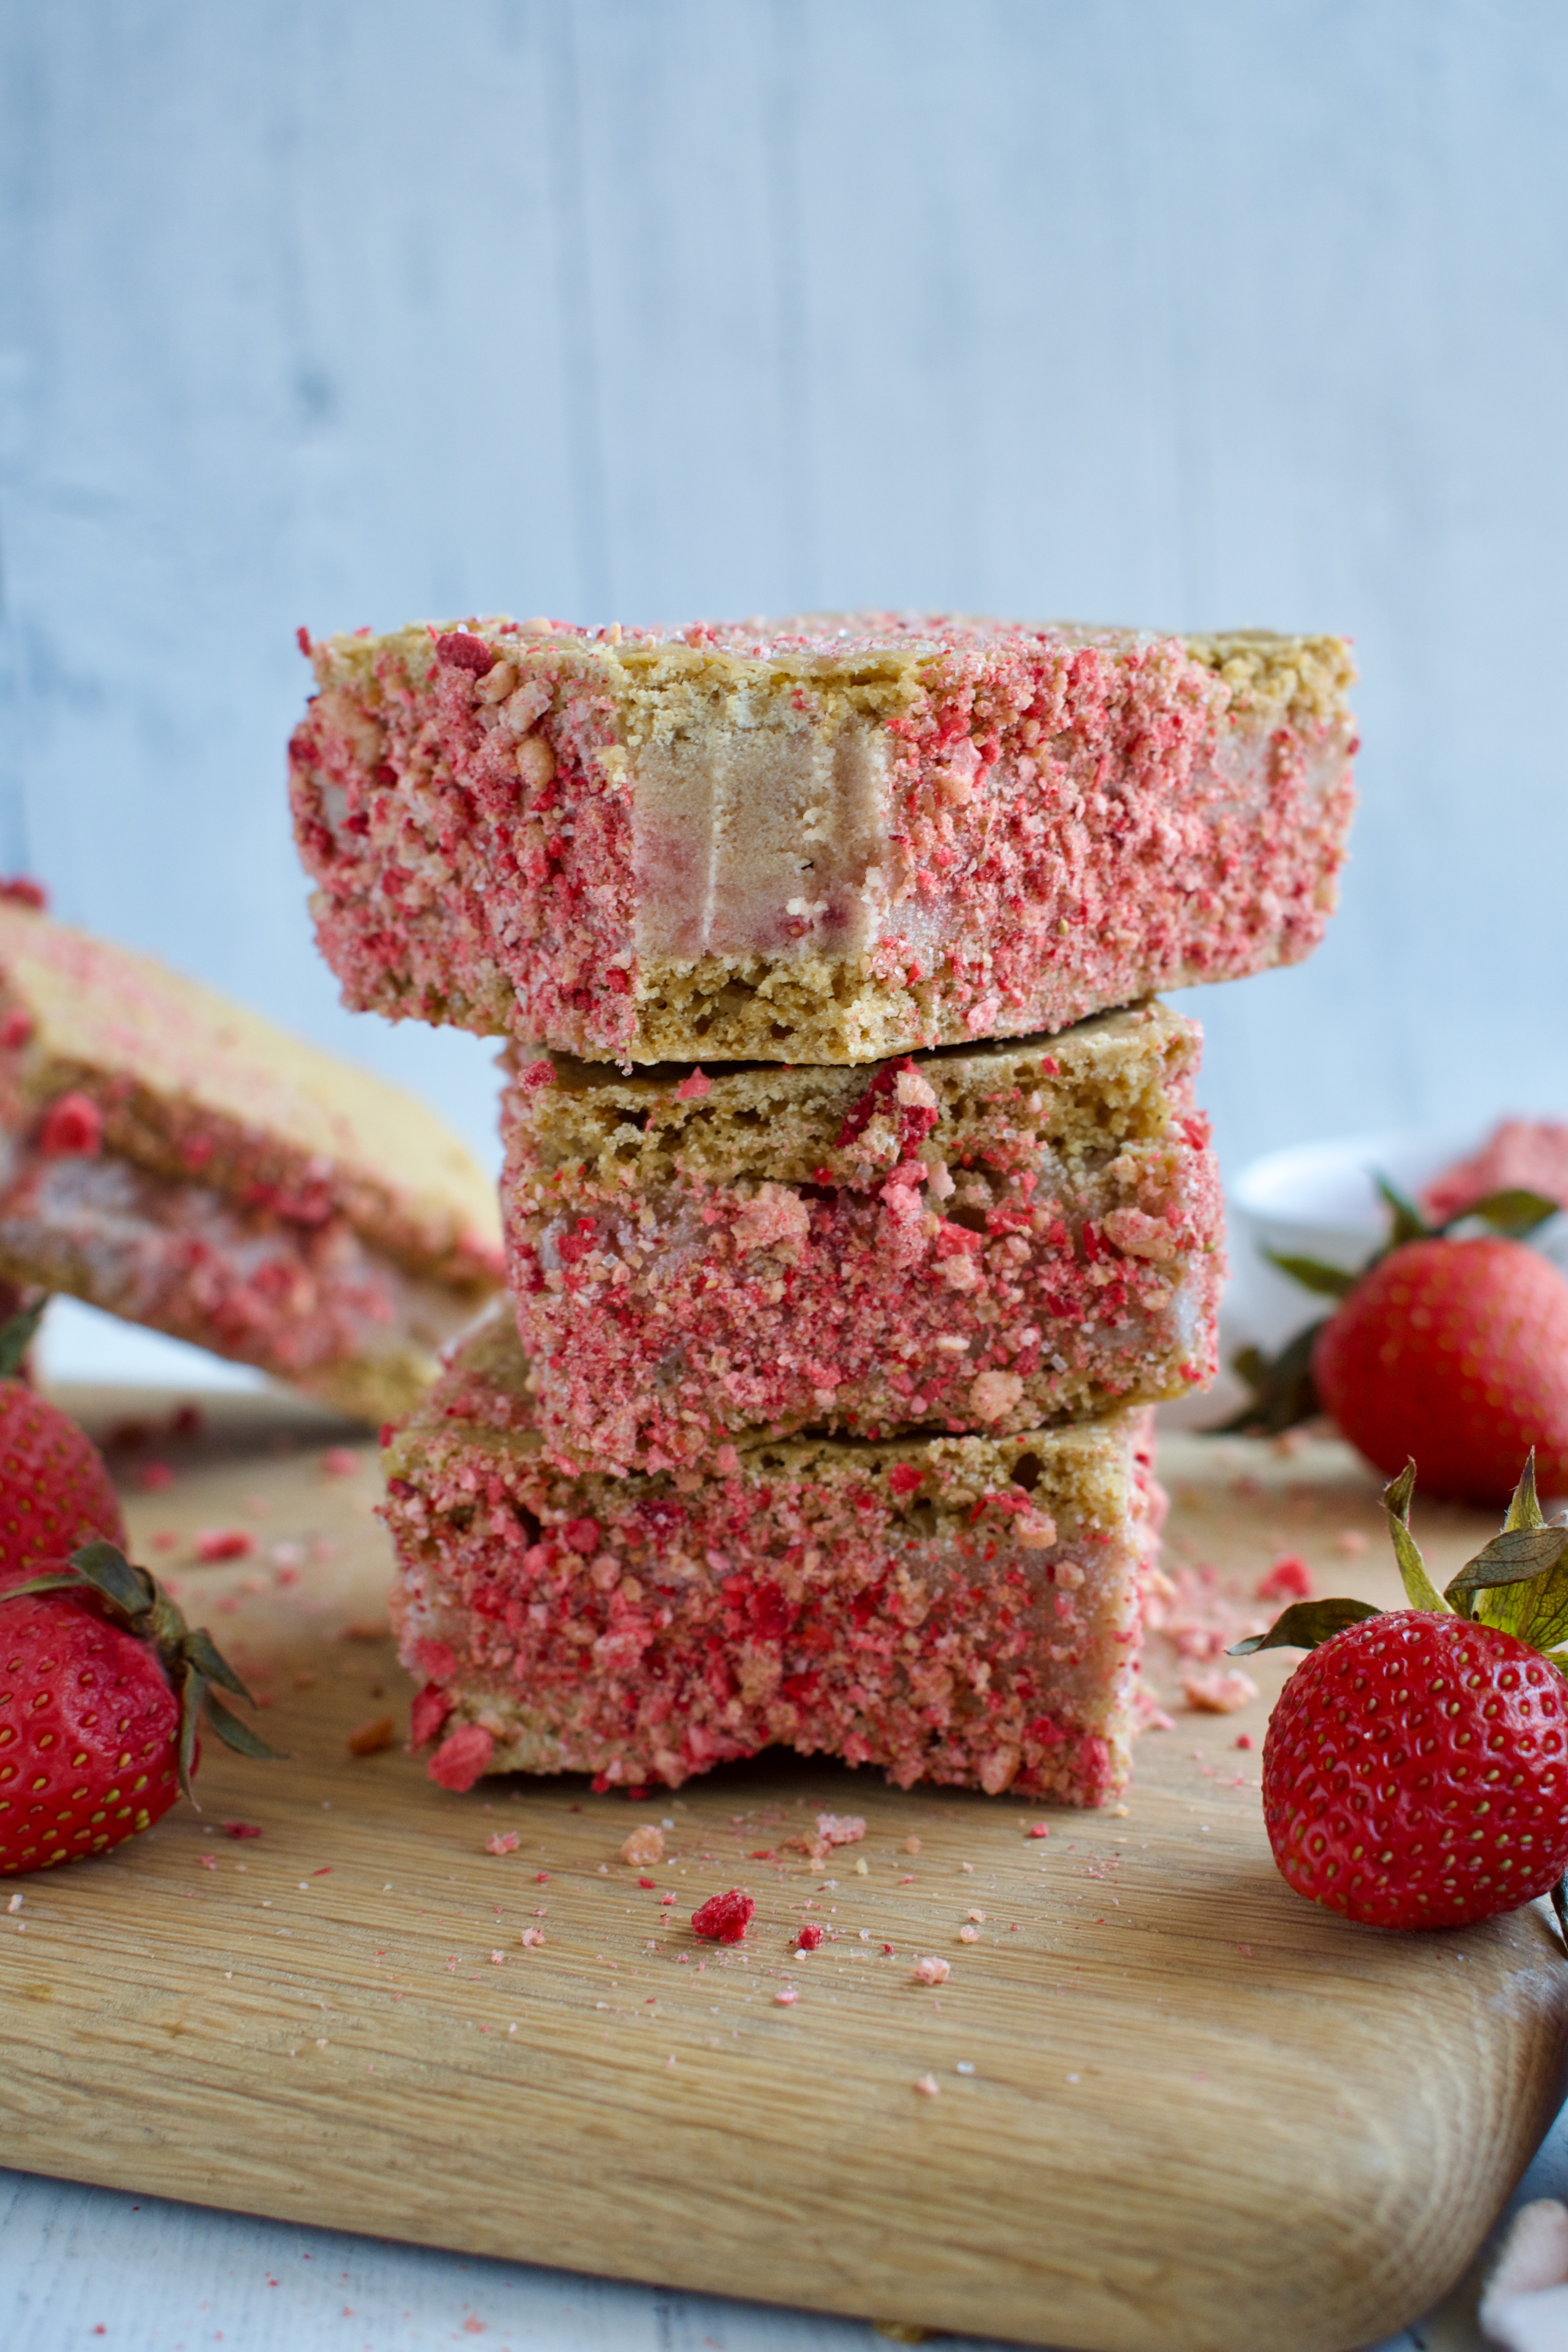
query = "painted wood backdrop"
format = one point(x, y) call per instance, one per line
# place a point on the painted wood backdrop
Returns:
point(1173, 311)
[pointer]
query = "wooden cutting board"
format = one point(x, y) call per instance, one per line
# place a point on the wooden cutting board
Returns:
point(1176, 2106)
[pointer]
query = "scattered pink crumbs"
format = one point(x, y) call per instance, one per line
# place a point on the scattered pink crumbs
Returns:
point(787, 1997)
point(1215, 1691)
point(928, 2086)
point(724, 1919)
point(933, 1970)
point(810, 1937)
point(502, 1842)
point(644, 1845)
point(1289, 1579)
point(213, 1544)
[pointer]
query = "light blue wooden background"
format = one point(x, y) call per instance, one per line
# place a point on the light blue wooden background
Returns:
point(1173, 311)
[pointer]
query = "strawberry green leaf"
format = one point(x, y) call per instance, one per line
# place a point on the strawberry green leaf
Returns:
point(192, 1690)
point(201, 1652)
point(1514, 1212)
point(62, 1580)
point(1419, 1589)
point(1534, 1610)
point(105, 1566)
point(1409, 1225)
point(1304, 1625)
point(1517, 1556)
point(1535, 1613)
point(1282, 1389)
point(237, 1735)
point(1329, 1281)
point(1524, 1510)
point(17, 1336)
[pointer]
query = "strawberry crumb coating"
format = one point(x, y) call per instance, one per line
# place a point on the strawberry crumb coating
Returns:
point(105, 1051)
point(831, 839)
point(989, 1239)
point(311, 1304)
point(954, 1609)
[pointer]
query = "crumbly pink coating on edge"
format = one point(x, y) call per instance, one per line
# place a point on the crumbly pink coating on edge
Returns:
point(1070, 824)
point(308, 1304)
point(863, 1603)
point(152, 1043)
point(661, 1328)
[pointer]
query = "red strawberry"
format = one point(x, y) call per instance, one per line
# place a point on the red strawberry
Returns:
point(55, 1492)
point(1455, 1351)
point(102, 1689)
point(1415, 1770)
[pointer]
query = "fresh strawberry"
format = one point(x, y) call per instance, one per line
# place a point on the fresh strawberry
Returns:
point(55, 1492)
point(1416, 1769)
point(1455, 1351)
point(102, 1691)
point(1450, 1348)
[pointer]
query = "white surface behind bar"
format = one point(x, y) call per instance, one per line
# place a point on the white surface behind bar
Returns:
point(1185, 312)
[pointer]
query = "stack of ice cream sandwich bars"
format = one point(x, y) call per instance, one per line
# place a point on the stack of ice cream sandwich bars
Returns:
point(858, 1210)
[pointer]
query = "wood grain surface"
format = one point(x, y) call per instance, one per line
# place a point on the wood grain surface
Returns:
point(1193, 2111)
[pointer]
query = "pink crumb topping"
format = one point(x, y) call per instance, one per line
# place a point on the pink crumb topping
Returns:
point(1067, 823)
point(646, 1629)
point(1289, 1579)
point(724, 1919)
point(462, 1756)
point(1213, 1691)
point(301, 1300)
point(662, 1325)
point(810, 1937)
point(72, 1128)
point(216, 1544)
